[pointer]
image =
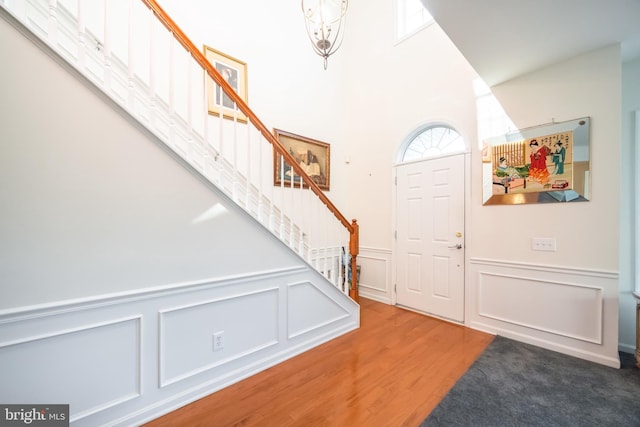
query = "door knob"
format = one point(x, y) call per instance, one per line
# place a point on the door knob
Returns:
point(458, 246)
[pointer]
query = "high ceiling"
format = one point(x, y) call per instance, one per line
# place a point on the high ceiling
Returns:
point(503, 39)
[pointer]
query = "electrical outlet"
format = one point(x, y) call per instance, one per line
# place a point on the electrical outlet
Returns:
point(218, 341)
point(543, 244)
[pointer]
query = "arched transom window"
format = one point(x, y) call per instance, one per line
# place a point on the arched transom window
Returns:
point(432, 141)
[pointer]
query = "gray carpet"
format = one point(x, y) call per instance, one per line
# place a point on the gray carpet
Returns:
point(516, 384)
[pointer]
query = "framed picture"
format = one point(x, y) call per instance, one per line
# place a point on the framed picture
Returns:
point(313, 156)
point(541, 164)
point(234, 72)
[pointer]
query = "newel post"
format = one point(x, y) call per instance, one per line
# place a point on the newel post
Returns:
point(354, 245)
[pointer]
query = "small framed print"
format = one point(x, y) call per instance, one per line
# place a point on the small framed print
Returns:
point(234, 72)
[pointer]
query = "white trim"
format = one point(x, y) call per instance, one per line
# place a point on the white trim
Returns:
point(540, 267)
point(598, 307)
point(637, 205)
point(549, 345)
point(412, 33)
point(531, 297)
point(78, 304)
point(377, 287)
point(408, 34)
point(406, 142)
point(67, 331)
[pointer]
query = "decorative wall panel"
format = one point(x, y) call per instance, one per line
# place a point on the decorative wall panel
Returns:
point(126, 359)
point(303, 318)
point(247, 322)
point(91, 367)
point(572, 311)
point(565, 309)
point(375, 274)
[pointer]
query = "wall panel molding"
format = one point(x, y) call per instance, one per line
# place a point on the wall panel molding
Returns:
point(152, 352)
point(79, 304)
point(376, 274)
point(186, 332)
point(71, 358)
point(546, 268)
point(303, 319)
point(570, 310)
point(530, 297)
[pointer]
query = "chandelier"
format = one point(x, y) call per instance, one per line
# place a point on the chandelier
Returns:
point(324, 20)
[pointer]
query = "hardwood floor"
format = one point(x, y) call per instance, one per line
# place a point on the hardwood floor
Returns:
point(391, 372)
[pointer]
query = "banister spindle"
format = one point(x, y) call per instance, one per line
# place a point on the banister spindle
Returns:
point(152, 74)
point(81, 29)
point(172, 104)
point(333, 255)
point(301, 229)
point(282, 192)
point(220, 122)
point(234, 188)
point(106, 47)
point(209, 161)
point(190, 121)
point(322, 246)
point(260, 182)
point(311, 235)
point(291, 214)
point(247, 189)
point(130, 58)
point(52, 22)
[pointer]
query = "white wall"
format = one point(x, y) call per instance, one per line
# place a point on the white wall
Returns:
point(588, 85)
point(628, 213)
point(92, 206)
point(392, 90)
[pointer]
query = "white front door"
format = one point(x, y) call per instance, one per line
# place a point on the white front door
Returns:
point(430, 236)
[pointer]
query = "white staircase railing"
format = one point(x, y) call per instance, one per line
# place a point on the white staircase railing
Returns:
point(137, 56)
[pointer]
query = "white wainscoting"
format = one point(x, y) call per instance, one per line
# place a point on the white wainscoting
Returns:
point(572, 311)
point(46, 363)
point(126, 359)
point(375, 274)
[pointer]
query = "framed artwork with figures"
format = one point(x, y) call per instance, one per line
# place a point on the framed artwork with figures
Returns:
point(234, 72)
point(313, 157)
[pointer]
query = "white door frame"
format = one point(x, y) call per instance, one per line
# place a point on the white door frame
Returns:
point(467, 225)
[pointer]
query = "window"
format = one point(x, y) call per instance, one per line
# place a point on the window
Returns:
point(492, 120)
point(411, 16)
point(432, 141)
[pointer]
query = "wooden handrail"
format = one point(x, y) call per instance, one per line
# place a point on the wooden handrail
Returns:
point(199, 57)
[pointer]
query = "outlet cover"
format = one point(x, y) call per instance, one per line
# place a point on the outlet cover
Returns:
point(543, 244)
point(218, 341)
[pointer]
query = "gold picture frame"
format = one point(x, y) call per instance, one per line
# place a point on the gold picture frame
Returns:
point(235, 72)
point(314, 157)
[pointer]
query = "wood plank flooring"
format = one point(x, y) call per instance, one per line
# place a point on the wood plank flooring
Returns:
point(391, 372)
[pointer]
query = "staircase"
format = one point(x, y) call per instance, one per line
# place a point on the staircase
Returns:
point(142, 60)
point(121, 301)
